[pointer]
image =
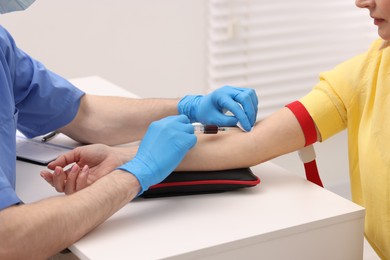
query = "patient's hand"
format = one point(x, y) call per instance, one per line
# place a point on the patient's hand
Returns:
point(91, 162)
point(68, 181)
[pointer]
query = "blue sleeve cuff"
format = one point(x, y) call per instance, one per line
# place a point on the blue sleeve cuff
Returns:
point(8, 198)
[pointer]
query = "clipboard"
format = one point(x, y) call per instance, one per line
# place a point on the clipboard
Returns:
point(37, 152)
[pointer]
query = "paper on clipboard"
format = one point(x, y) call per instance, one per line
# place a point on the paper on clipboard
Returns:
point(35, 151)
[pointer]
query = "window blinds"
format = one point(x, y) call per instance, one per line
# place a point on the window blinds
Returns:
point(279, 47)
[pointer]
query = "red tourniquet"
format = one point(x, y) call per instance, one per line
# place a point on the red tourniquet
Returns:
point(312, 173)
point(310, 132)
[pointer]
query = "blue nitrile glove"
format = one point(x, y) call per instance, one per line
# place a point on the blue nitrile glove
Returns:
point(161, 150)
point(210, 109)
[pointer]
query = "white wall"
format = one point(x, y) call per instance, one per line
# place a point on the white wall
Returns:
point(152, 48)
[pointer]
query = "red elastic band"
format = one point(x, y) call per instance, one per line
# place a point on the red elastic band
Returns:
point(310, 133)
point(312, 173)
point(305, 120)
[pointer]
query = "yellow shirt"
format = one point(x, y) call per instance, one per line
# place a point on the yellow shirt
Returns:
point(356, 95)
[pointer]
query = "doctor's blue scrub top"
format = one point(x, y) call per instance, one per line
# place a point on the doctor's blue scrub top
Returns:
point(33, 100)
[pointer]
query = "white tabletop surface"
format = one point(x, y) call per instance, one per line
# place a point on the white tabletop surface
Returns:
point(190, 227)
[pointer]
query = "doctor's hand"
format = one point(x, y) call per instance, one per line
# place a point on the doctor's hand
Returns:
point(91, 162)
point(163, 147)
point(210, 109)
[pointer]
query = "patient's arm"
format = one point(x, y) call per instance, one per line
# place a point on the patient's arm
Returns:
point(276, 135)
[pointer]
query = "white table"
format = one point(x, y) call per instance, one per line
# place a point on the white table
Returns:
point(284, 217)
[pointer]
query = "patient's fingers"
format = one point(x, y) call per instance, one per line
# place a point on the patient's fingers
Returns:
point(81, 181)
point(69, 181)
point(70, 185)
point(63, 160)
point(59, 177)
point(47, 176)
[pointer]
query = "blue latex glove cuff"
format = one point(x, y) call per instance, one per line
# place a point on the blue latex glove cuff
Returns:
point(188, 106)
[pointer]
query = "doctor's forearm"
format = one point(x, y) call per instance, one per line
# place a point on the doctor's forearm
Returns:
point(116, 120)
point(44, 228)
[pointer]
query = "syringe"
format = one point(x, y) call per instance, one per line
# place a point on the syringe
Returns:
point(208, 129)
